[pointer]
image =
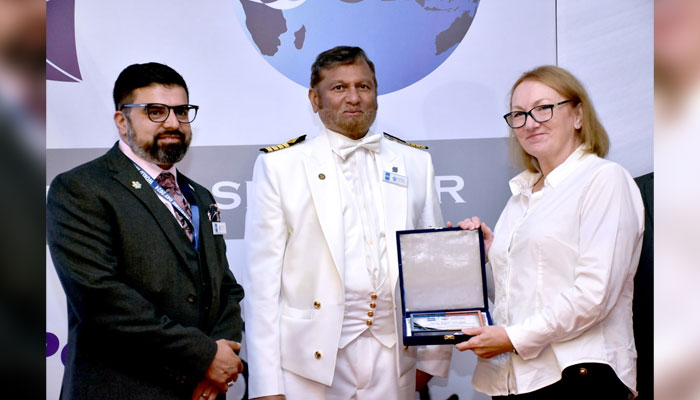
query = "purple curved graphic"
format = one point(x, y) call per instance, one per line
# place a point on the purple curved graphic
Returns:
point(51, 344)
point(63, 355)
point(61, 56)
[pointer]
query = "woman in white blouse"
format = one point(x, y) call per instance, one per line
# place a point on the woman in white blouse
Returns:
point(563, 255)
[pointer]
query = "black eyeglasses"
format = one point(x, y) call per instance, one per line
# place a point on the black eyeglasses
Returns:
point(541, 113)
point(157, 112)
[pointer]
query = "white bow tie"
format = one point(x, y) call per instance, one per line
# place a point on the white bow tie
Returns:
point(371, 143)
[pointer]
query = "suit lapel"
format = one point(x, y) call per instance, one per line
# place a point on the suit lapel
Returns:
point(395, 200)
point(321, 174)
point(206, 245)
point(126, 174)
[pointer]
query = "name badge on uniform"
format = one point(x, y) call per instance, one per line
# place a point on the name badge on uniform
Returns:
point(396, 179)
point(218, 227)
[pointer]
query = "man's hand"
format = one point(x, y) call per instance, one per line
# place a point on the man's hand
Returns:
point(226, 365)
point(205, 390)
point(487, 341)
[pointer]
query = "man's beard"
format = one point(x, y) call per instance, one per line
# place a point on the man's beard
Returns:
point(355, 127)
point(156, 152)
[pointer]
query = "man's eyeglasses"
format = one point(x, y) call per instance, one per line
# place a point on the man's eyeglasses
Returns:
point(541, 113)
point(157, 112)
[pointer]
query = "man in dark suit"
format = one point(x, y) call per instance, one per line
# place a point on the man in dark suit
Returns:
point(153, 309)
point(643, 301)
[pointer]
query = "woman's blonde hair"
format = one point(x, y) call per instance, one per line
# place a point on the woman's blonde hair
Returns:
point(592, 133)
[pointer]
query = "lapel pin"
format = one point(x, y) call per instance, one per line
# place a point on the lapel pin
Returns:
point(214, 213)
point(394, 169)
point(321, 176)
point(136, 184)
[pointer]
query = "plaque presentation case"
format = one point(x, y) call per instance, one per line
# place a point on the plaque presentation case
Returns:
point(442, 275)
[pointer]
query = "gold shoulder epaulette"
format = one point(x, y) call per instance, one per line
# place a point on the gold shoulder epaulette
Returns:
point(284, 145)
point(394, 138)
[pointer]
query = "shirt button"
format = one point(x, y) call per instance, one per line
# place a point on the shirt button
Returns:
point(317, 304)
point(369, 322)
point(372, 304)
point(373, 296)
point(370, 313)
point(582, 371)
point(191, 298)
point(317, 355)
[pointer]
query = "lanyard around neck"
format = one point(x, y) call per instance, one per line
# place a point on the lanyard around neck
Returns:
point(194, 221)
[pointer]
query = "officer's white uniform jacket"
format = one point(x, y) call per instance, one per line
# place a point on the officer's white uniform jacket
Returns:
point(294, 292)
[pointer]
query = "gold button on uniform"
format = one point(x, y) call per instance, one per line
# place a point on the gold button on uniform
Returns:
point(317, 304)
point(317, 354)
point(369, 322)
point(370, 313)
point(372, 304)
point(373, 296)
point(321, 176)
point(582, 371)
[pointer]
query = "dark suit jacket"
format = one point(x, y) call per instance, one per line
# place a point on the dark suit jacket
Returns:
point(144, 308)
point(643, 302)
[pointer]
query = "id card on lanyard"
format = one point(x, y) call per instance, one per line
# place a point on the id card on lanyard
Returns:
point(194, 221)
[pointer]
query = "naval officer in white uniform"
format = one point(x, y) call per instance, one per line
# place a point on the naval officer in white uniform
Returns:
point(322, 306)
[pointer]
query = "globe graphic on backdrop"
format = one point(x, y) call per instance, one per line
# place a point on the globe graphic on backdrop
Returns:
point(406, 39)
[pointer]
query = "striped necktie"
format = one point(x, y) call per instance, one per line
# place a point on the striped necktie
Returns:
point(167, 181)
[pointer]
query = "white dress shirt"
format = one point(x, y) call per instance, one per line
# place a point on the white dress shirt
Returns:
point(366, 261)
point(359, 168)
point(563, 261)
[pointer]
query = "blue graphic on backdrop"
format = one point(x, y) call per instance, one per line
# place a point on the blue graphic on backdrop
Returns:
point(406, 39)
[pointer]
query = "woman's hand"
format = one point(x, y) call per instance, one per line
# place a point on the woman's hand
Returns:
point(473, 223)
point(487, 341)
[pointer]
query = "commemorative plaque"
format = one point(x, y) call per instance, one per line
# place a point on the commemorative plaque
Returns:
point(443, 284)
